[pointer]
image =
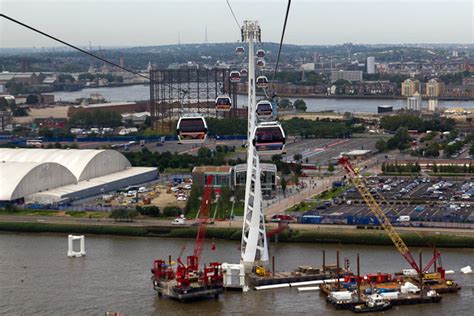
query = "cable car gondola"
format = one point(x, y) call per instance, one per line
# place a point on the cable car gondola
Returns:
point(269, 138)
point(223, 103)
point(243, 72)
point(260, 53)
point(262, 82)
point(240, 50)
point(260, 63)
point(264, 109)
point(234, 76)
point(191, 129)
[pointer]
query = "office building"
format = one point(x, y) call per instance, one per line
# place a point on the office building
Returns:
point(414, 102)
point(370, 65)
point(434, 88)
point(349, 75)
point(409, 87)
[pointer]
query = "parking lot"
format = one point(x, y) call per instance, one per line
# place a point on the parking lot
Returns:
point(422, 199)
point(320, 151)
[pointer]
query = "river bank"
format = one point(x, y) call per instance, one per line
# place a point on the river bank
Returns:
point(321, 234)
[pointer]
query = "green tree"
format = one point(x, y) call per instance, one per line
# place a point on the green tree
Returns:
point(471, 150)
point(285, 104)
point(224, 202)
point(193, 202)
point(330, 168)
point(123, 215)
point(32, 99)
point(171, 211)
point(45, 132)
point(297, 157)
point(300, 105)
point(66, 78)
point(381, 145)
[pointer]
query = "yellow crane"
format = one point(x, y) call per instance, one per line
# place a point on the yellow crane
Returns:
point(358, 182)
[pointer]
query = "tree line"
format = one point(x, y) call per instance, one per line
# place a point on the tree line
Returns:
point(398, 168)
point(412, 122)
point(165, 160)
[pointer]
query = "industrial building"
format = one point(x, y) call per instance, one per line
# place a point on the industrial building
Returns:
point(222, 176)
point(268, 178)
point(349, 75)
point(234, 177)
point(49, 176)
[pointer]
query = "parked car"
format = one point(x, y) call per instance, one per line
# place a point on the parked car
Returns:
point(283, 218)
point(178, 221)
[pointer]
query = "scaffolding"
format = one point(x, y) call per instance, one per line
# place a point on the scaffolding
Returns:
point(190, 90)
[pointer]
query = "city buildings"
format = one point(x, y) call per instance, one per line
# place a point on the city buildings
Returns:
point(5, 120)
point(414, 102)
point(409, 87)
point(370, 65)
point(349, 75)
point(432, 104)
point(434, 88)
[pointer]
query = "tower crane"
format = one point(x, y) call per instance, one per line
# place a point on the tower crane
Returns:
point(358, 182)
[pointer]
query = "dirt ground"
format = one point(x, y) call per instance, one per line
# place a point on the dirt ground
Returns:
point(55, 112)
point(163, 199)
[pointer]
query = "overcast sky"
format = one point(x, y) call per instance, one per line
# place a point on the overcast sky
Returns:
point(158, 22)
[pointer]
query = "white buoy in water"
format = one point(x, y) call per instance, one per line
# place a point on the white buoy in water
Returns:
point(70, 250)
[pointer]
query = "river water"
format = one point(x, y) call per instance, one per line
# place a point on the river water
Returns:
point(36, 277)
point(142, 92)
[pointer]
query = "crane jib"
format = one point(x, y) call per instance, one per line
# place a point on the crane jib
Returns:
point(375, 208)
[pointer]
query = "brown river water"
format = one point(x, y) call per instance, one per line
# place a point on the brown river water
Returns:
point(37, 278)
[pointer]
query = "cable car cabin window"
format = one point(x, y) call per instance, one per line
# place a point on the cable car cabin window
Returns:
point(223, 101)
point(264, 109)
point(192, 126)
point(269, 140)
point(269, 135)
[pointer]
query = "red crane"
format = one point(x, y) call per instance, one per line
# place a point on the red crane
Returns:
point(375, 208)
point(193, 261)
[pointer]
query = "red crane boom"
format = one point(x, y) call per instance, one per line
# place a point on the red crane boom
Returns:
point(202, 224)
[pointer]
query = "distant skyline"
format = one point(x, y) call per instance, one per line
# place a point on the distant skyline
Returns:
point(317, 22)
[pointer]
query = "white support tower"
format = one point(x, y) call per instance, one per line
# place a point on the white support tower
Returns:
point(254, 248)
point(82, 249)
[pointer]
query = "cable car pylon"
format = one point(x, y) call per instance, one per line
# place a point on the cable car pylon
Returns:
point(254, 247)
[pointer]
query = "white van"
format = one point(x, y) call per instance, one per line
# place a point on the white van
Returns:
point(178, 221)
point(403, 218)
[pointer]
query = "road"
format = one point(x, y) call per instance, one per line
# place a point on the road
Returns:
point(221, 224)
point(317, 186)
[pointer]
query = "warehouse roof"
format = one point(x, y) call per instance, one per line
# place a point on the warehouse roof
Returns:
point(20, 179)
point(84, 164)
point(62, 192)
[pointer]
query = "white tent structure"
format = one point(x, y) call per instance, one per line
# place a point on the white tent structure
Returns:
point(18, 180)
point(83, 163)
point(65, 175)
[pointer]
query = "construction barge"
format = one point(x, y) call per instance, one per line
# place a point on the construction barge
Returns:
point(398, 289)
point(187, 282)
point(261, 277)
point(403, 299)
